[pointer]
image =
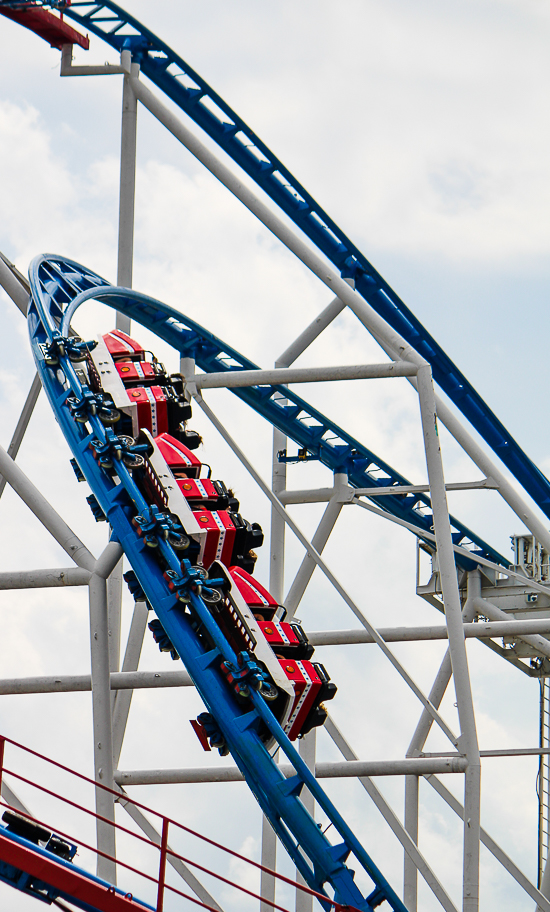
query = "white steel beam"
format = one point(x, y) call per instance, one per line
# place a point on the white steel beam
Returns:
point(319, 540)
point(44, 579)
point(318, 495)
point(130, 663)
point(328, 573)
point(410, 878)
point(120, 680)
point(67, 68)
point(311, 332)
point(418, 766)
point(37, 503)
point(103, 744)
point(307, 747)
point(128, 144)
point(411, 849)
point(22, 423)
point(236, 379)
point(14, 284)
point(479, 630)
point(483, 607)
point(457, 647)
point(276, 587)
point(493, 847)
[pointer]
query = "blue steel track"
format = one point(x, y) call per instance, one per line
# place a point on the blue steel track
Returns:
point(179, 81)
point(58, 288)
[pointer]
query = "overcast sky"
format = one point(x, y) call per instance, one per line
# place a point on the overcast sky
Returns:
point(423, 130)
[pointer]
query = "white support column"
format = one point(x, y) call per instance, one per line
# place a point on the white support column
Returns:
point(319, 540)
point(276, 587)
point(103, 744)
point(269, 860)
point(307, 747)
point(545, 884)
point(418, 741)
point(114, 603)
point(392, 820)
point(127, 184)
point(123, 698)
point(23, 423)
point(277, 541)
point(457, 645)
point(410, 871)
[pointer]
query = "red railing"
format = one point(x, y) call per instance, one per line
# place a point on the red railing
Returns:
point(165, 852)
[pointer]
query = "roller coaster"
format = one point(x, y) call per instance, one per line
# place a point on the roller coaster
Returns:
point(128, 424)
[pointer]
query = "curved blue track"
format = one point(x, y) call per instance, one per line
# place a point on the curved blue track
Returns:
point(58, 287)
point(334, 447)
point(170, 73)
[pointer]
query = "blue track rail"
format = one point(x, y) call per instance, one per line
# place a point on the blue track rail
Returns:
point(180, 82)
point(58, 288)
point(309, 428)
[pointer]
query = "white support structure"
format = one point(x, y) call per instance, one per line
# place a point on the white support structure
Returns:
point(418, 766)
point(237, 379)
point(103, 743)
point(457, 647)
point(128, 145)
point(112, 685)
point(22, 424)
point(319, 540)
point(308, 745)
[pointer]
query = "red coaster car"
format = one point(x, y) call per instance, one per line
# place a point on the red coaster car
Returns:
point(152, 408)
point(183, 463)
point(122, 347)
point(312, 686)
point(255, 595)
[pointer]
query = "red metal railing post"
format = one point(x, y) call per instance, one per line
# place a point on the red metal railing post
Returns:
point(2, 746)
point(162, 864)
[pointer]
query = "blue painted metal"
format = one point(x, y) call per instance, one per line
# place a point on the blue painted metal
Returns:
point(58, 288)
point(308, 427)
point(180, 82)
point(29, 885)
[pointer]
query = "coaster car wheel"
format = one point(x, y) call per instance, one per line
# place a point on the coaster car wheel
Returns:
point(268, 691)
point(109, 415)
point(179, 542)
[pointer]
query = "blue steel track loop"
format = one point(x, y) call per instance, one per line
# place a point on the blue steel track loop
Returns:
point(65, 280)
point(58, 287)
point(170, 73)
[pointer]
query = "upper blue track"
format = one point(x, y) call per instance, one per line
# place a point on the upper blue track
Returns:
point(192, 94)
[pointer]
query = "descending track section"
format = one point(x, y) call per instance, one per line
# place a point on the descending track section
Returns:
point(67, 284)
point(236, 680)
point(180, 82)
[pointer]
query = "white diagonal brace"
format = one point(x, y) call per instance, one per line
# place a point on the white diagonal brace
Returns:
point(328, 573)
point(56, 526)
point(391, 818)
point(23, 423)
point(493, 847)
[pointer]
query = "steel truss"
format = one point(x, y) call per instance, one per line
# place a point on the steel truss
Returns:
point(469, 578)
